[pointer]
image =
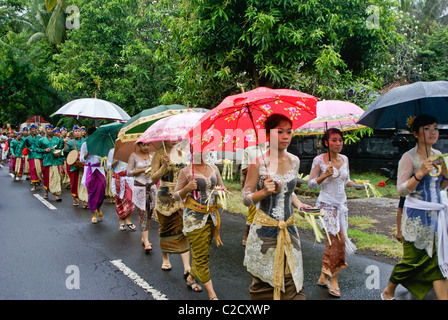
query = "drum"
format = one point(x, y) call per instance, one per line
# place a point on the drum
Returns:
point(73, 159)
point(57, 152)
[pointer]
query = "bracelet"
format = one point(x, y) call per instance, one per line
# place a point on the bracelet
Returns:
point(416, 178)
point(443, 177)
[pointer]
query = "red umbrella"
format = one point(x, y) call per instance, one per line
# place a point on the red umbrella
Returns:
point(238, 121)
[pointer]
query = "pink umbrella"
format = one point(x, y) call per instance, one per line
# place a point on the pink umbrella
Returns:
point(172, 128)
point(332, 114)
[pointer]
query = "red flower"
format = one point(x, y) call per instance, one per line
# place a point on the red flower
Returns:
point(381, 184)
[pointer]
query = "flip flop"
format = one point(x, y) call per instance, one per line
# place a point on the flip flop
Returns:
point(334, 294)
point(166, 266)
point(122, 227)
point(132, 227)
point(382, 297)
point(197, 288)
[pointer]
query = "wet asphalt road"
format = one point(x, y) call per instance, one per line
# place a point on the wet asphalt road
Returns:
point(46, 253)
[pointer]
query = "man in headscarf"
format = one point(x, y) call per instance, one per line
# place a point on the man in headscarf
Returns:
point(34, 157)
point(50, 147)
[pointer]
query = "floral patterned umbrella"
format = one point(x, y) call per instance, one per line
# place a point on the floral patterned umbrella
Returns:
point(172, 128)
point(238, 121)
point(332, 114)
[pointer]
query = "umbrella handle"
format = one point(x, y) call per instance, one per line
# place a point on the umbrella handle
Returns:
point(278, 185)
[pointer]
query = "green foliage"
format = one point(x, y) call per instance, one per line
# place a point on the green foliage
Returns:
point(139, 54)
point(321, 47)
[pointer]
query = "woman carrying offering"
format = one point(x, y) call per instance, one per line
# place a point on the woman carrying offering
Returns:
point(331, 172)
point(201, 217)
point(166, 164)
point(143, 194)
point(424, 262)
point(273, 251)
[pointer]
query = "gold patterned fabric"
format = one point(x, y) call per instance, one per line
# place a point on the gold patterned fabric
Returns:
point(283, 239)
point(165, 203)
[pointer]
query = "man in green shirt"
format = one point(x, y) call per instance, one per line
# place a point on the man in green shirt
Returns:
point(16, 149)
point(34, 157)
point(78, 190)
point(48, 145)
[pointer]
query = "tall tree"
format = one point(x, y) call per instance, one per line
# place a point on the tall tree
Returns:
point(318, 46)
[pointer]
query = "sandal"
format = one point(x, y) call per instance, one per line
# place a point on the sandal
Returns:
point(132, 227)
point(197, 288)
point(122, 227)
point(148, 248)
point(94, 220)
point(337, 292)
point(166, 266)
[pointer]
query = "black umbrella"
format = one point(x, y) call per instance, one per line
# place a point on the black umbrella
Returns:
point(396, 107)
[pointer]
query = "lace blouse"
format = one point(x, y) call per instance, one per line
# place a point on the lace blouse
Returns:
point(195, 220)
point(419, 226)
point(262, 240)
point(332, 193)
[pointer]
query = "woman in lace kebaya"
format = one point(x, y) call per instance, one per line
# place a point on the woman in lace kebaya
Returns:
point(424, 226)
point(144, 191)
point(201, 217)
point(333, 178)
point(270, 184)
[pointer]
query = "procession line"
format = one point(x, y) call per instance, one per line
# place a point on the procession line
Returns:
point(156, 294)
point(45, 202)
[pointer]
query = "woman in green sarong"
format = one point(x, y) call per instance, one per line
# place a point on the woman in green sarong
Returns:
point(422, 266)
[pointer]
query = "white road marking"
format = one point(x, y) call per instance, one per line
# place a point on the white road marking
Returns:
point(44, 201)
point(156, 294)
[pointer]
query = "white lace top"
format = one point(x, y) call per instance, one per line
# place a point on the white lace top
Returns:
point(194, 220)
point(419, 226)
point(261, 241)
point(332, 192)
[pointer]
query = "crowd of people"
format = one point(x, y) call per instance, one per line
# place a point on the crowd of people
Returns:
point(162, 186)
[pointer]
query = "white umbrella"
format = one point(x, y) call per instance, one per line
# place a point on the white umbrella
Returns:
point(93, 108)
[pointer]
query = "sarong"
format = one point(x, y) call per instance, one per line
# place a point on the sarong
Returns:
point(26, 166)
point(333, 259)
point(35, 170)
point(200, 241)
point(143, 198)
point(124, 206)
point(96, 188)
point(77, 189)
point(19, 166)
point(416, 271)
point(260, 290)
point(171, 237)
point(52, 179)
point(109, 175)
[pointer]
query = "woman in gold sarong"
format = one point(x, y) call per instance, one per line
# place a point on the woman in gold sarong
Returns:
point(201, 217)
point(165, 167)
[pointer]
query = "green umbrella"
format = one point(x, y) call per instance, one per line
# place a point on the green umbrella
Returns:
point(103, 139)
point(136, 125)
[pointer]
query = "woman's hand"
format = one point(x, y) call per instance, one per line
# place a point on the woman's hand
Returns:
point(166, 160)
point(425, 169)
point(329, 172)
point(192, 185)
point(268, 186)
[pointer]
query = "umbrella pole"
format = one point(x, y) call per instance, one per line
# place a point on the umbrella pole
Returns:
point(277, 190)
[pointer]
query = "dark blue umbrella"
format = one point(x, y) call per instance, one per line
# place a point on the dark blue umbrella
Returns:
point(393, 109)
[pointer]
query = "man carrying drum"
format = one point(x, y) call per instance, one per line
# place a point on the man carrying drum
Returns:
point(72, 150)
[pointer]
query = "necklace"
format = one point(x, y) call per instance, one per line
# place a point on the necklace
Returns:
point(203, 172)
